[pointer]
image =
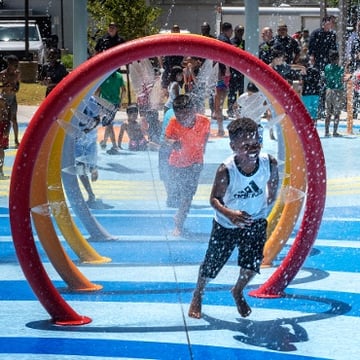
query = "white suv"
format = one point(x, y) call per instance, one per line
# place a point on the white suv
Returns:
point(12, 40)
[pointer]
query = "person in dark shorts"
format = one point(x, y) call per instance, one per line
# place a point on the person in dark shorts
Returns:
point(245, 186)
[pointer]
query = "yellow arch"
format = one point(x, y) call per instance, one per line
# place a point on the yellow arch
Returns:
point(44, 226)
point(68, 228)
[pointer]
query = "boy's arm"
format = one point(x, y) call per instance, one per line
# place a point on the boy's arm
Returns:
point(218, 190)
point(273, 183)
point(221, 183)
point(17, 81)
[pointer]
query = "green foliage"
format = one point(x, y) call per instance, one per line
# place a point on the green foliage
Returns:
point(333, 3)
point(134, 17)
point(68, 60)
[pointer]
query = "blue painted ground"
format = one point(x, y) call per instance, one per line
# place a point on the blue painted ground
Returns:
point(141, 311)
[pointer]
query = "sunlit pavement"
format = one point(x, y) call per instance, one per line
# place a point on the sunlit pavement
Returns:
point(141, 312)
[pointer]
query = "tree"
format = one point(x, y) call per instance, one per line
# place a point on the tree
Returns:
point(134, 17)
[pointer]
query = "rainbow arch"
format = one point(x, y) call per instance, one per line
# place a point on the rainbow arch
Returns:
point(299, 128)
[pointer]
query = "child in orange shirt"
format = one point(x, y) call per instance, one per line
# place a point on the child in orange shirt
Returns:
point(187, 133)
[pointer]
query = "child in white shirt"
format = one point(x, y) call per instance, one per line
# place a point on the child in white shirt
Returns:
point(252, 104)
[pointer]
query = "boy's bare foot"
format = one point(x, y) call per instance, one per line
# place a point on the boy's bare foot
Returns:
point(176, 232)
point(241, 304)
point(195, 306)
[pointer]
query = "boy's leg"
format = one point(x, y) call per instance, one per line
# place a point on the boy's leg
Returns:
point(338, 106)
point(217, 254)
point(336, 125)
point(187, 183)
point(2, 157)
point(15, 127)
point(4, 142)
point(86, 183)
point(249, 261)
point(220, 96)
point(106, 136)
point(327, 125)
point(112, 136)
point(13, 108)
point(245, 277)
point(195, 305)
point(180, 216)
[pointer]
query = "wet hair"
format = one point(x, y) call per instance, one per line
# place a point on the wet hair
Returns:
point(328, 18)
point(276, 53)
point(53, 54)
point(182, 102)
point(241, 126)
point(252, 87)
point(333, 55)
point(239, 27)
point(132, 108)
point(175, 28)
point(175, 70)
point(205, 25)
point(12, 59)
point(226, 26)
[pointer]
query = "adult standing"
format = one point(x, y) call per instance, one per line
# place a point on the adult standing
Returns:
point(266, 55)
point(113, 88)
point(288, 45)
point(169, 61)
point(304, 45)
point(224, 75)
point(351, 44)
point(52, 72)
point(322, 42)
point(236, 85)
point(266, 45)
point(205, 30)
point(110, 39)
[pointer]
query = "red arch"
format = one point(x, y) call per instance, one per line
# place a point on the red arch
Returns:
point(174, 44)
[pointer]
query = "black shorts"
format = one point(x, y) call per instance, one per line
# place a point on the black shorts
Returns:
point(249, 241)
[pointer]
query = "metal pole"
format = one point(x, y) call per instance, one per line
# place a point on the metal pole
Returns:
point(252, 26)
point(62, 24)
point(80, 31)
point(27, 30)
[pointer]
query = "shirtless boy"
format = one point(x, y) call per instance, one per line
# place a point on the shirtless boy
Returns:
point(10, 84)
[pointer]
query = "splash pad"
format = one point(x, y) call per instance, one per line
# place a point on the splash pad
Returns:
point(299, 124)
